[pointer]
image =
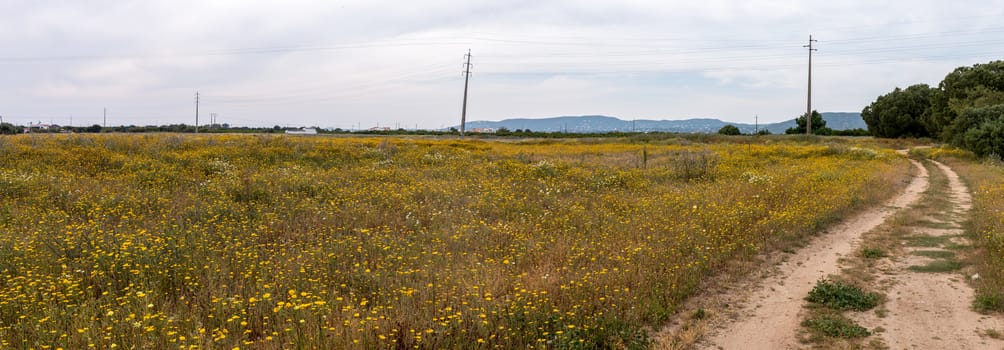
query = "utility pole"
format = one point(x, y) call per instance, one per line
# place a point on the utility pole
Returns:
point(467, 78)
point(808, 104)
point(104, 117)
point(196, 112)
point(756, 124)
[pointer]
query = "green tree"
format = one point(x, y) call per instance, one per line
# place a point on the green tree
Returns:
point(729, 130)
point(981, 85)
point(986, 139)
point(900, 113)
point(980, 130)
point(8, 129)
point(818, 125)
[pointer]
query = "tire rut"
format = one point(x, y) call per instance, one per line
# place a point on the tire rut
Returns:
point(930, 302)
point(771, 318)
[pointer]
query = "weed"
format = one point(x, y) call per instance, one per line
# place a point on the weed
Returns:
point(838, 295)
point(692, 165)
point(836, 326)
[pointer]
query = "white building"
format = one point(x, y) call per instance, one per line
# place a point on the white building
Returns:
point(304, 131)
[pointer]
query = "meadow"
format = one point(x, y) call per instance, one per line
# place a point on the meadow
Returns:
point(267, 242)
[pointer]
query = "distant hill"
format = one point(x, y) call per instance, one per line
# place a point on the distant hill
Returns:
point(601, 123)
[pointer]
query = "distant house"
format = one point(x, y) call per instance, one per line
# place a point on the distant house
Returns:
point(484, 130)
point(304, 131)
point(380, 128)
point(40, 127)
point(45, 126)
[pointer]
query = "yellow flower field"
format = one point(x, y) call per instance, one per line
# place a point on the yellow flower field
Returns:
point(225, 241)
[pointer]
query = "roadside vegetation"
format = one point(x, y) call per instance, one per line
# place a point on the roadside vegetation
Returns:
point(271, 241)
point(828, 300)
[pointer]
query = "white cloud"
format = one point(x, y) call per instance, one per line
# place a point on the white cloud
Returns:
point(363, 61)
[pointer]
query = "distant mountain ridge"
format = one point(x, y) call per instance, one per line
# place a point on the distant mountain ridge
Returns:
point(602, 123)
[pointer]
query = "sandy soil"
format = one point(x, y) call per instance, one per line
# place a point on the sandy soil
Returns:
point(933, 310)
point(770, 318)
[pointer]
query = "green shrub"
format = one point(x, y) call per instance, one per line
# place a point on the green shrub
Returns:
point(838, 295)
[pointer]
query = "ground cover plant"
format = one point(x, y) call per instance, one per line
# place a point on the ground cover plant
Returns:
point(272, 241)
point(839, 295)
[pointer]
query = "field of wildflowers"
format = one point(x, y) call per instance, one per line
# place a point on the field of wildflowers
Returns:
point(225, 241)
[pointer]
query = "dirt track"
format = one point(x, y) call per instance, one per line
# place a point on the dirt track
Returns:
point(933, 310)
point(924, 310)
point(770, 320)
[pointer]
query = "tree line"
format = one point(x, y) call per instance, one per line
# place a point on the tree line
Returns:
point(818, 128)
point(965, 110)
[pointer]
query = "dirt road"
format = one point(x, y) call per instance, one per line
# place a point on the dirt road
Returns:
point(770, 320)
point(928, 300)
point(929, 308)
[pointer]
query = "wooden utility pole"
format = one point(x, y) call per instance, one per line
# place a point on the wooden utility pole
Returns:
point(467, 78)
point(808, 104)
point(196, 112)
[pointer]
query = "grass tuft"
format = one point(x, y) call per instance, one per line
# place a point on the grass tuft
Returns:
point(987, 303)
point(938, 266)
point(873, 253)
point(927, 241)
point(935, 254)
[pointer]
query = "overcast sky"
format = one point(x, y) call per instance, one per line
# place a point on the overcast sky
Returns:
point(398, 63)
